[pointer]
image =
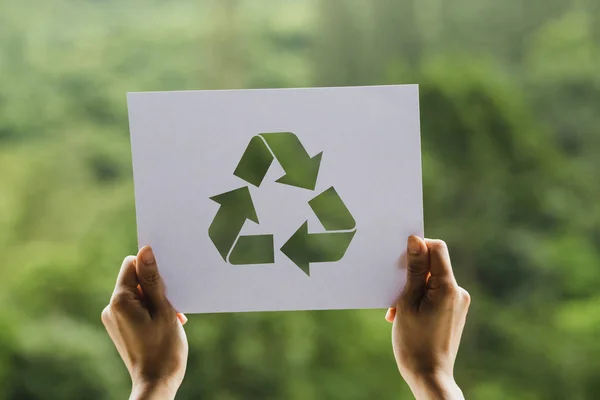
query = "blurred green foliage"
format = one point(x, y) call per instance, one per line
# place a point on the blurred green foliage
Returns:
point(510, 100)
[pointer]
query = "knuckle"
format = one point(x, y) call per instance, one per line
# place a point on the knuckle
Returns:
point(416, 268)
point(119, 302)
point(466, 297)
point(152, 279)
point(105, 315)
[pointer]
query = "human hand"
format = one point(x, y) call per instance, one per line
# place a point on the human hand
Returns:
point(146, 330)
point(428, 321)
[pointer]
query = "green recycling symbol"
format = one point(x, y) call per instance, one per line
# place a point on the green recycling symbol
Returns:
point(301, 171)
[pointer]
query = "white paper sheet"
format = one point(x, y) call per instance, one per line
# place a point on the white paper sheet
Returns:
point(186, 147)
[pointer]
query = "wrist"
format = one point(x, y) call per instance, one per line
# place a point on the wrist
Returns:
point(152, 390)
point(438, 385)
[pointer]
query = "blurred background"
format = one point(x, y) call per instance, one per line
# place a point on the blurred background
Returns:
point(510, 108)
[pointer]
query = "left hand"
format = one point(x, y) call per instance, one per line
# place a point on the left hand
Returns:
point(146, 330)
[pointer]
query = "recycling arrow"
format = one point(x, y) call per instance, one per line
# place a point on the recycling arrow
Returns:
point(301, 170)
point(236, 208)
point(304, 248)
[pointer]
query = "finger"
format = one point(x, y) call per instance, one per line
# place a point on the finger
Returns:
point(390, 314)
point(418, 268)
point(150, 280)
point(127, 279)
point(182, 318)
point(439, 259)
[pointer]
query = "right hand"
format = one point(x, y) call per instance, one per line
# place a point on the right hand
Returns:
point(428, 321)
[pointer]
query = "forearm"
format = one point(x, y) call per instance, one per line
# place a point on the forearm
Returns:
point(432, 387)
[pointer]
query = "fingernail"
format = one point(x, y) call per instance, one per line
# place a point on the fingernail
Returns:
point(387, 314)
point(182, 318)
point(148, 256)
point(414, 247)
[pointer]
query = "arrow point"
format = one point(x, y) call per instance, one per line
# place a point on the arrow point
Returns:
point(296, 248)
point(305, 178)
point(317, 159)
point(239, 199)
point(287, 180)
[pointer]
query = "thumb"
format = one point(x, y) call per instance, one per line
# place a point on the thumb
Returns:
point(418, 268)
point(150, 280)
